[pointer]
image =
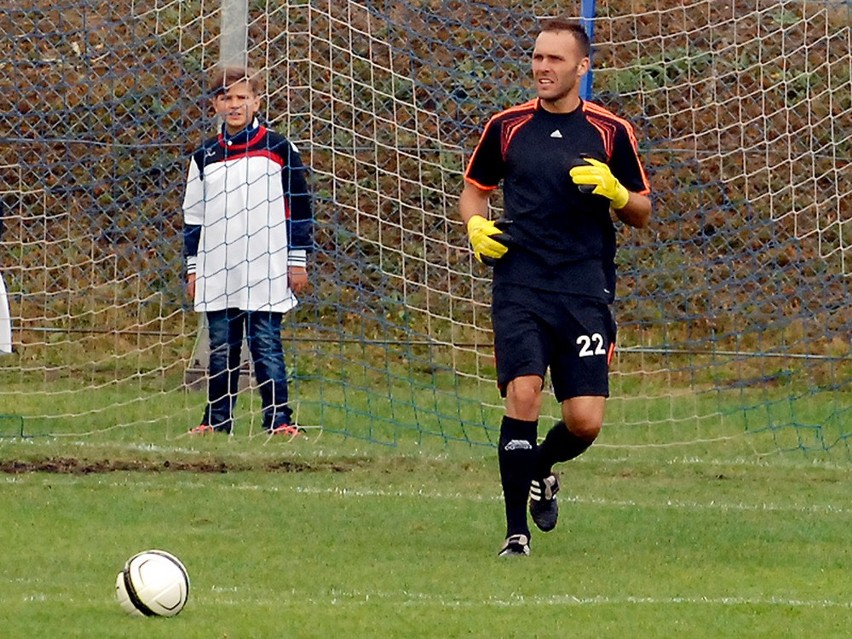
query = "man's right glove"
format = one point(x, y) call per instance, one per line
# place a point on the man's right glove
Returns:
point(484, 239)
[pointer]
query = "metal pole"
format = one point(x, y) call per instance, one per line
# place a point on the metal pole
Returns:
point(233, 51)
point(233, 40)
point(588, 22)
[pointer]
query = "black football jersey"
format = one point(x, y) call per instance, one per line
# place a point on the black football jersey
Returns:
point(561, 238)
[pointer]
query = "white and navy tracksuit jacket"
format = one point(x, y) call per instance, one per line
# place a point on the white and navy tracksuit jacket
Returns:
point(247, 217)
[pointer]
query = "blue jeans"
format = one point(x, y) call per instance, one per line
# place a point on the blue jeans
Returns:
point(263, 333)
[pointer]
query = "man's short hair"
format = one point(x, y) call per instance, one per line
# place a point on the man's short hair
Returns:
point(221, 78)
point(564, 23)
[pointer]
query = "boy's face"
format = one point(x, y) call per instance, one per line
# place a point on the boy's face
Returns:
point(237, 106)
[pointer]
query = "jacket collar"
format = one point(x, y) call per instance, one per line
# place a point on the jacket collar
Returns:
point(242, 137)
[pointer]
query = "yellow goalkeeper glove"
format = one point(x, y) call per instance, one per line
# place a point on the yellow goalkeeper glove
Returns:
point(597, 175)
point(484, 236)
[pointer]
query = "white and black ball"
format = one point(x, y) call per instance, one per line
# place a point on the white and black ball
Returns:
point(153, 583)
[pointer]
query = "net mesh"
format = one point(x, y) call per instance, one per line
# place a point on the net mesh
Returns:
point(733, 308)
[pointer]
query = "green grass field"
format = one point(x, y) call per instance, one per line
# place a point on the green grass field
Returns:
point(324, 536)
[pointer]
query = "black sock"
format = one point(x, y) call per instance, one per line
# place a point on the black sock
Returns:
point(516, 455)
point(559, 445)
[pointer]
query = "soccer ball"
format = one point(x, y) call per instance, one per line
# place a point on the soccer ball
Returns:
point(153, 583)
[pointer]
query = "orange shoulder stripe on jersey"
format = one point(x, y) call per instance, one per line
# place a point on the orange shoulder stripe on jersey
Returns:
point(605, 114)
point(481, 187)
point(606, 129)
point(510, 127)
point(525, 107)
point(512, 124)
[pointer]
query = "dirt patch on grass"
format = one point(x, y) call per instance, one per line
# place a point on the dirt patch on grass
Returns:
point(76, 466)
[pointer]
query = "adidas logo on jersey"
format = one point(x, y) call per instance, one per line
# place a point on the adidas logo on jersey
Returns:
point(556, 134)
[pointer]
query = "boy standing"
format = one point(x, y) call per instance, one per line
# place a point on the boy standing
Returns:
point(247, 232)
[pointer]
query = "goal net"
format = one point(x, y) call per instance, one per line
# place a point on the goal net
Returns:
point(733, 308)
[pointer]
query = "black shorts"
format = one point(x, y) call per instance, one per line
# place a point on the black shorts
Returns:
point(535, 330)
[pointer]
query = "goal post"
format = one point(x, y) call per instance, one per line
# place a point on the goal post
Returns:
point(233, 51)
point(732, 308)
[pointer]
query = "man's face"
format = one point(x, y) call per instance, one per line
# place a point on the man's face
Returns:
point(557, 66)
point(237, 106)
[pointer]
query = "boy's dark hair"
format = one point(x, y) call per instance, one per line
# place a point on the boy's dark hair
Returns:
point(223, 77)
point(568, 24)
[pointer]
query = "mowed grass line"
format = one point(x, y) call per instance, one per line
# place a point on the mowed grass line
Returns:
point(405, 547)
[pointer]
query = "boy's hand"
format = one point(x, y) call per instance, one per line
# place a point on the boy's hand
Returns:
point(298, 276)
point(190, 286)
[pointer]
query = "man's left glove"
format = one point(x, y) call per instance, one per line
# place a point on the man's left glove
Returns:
point(598, 175)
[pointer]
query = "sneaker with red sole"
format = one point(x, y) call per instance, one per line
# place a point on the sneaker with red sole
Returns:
point(201, 429)
point(284, 429)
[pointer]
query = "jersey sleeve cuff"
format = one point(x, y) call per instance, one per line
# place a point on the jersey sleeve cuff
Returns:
point(297, 257)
